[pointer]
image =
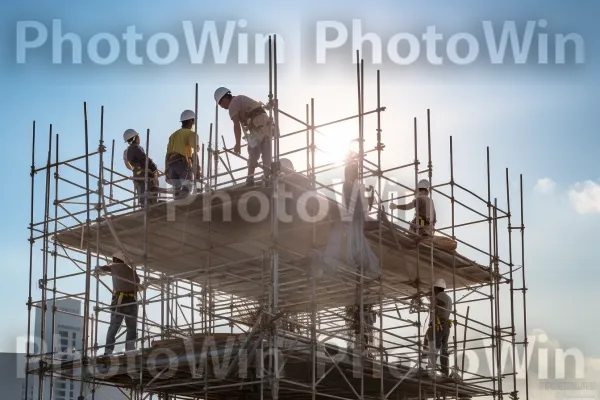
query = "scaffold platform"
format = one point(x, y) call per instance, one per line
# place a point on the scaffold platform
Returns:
point(180, 238)
point(223, 366)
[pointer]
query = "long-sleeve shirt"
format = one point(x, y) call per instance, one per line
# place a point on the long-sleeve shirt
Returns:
point(136, 156)
point(123, 277)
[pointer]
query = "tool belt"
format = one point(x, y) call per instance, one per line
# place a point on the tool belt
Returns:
point(120, 295)
point(420, 221)
point(252, 131)
point(249, 124)
point(440, 322)
point(175, 157)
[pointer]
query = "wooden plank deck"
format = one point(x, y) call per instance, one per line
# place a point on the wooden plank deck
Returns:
point(180, 247)
point(185, 371)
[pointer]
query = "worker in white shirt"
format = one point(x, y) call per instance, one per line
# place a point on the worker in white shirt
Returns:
point(249, 116)
point(422, 224)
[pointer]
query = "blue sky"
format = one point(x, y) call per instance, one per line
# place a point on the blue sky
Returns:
point(539, 120)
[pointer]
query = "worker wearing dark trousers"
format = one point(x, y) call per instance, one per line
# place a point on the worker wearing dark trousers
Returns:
point(440, 321)
point(126, 284)
point(123, 306)
point(179, 158)
point(442, 334)
point(135, 160)
point(180, 174)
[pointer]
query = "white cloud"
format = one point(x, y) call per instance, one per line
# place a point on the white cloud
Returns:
point(585, 197)
point(545, 185)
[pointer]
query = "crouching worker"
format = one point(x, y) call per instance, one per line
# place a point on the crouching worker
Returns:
point(134, 158)
point(423, 223)
point(183, 144)
point(250, 116)
point(439, 319)
point(126, 284)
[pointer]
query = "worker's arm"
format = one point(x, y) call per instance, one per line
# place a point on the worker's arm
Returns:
point(407, 206)
point(237, 131)
point(104, 268)
point(137, 153)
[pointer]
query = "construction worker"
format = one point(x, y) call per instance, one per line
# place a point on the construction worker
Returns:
point(439, 319)
point(126, 284)
point(250, 116)
point(180, 150)
point(351, 175)
point(422, 224)
point(134, 158)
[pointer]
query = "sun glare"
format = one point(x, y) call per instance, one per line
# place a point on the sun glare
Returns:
point(333, 146)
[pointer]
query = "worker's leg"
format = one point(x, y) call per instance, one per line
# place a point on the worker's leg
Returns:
point(139, 188)
point(431, 349)
point(115, 323)
point(253, 156)
point(180, 172)
point(444, 357)
point(130, 311)
point(266, 153)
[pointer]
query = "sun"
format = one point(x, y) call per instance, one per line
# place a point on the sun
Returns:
point(332, 146)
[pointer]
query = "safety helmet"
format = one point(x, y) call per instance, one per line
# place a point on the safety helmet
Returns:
point(440, 283)
point(129, 134)
point(286, 165)
point(187, 115)
point(118, 254)
point(423, 184)
point(220, 93)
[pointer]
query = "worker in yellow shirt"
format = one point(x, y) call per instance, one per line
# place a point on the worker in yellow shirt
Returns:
point(180, 150)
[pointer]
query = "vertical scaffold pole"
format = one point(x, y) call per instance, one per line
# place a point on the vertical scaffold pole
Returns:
point(418, 267)
point(275, 221)
point(431, 247)
point(101, 149)
point(524, 289)
point(31, 245)
point(44, 351)
point(88, 259)
point(55, 257)
point(492, 277)
point(453, 221)
point(380, 235)
point(145, 251)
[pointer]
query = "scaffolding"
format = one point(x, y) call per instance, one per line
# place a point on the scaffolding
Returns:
point(235, 311)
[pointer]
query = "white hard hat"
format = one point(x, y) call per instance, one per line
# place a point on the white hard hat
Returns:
point(187, 115)
point(129, 134)
point(286, 165)
point(220, 93)
point(423, 184)
point(440, 283)
point(118, 254)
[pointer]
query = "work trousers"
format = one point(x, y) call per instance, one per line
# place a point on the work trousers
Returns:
point(140, 187)
point(181, 177)
point(441, 343)
point(126, 309)
point(261, 150)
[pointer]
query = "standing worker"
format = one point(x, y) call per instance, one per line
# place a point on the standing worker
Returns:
point(250, 116)
point(422, 224)
point(180, 150)
point(134, 158)
point(126, 284)
point(439, 318)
